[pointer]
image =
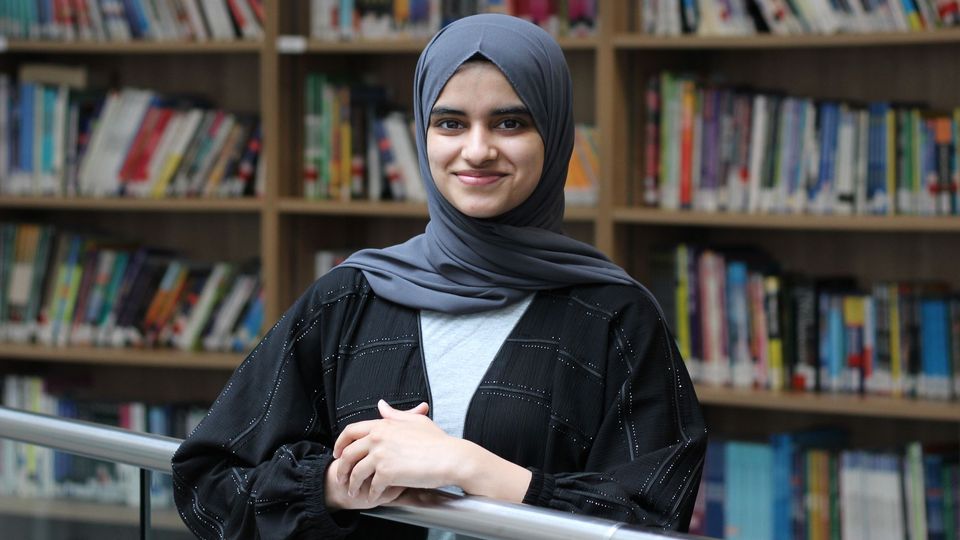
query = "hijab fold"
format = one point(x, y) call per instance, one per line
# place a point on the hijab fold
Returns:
point(462, 264)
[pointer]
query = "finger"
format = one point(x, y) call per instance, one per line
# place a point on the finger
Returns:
point(349, 458)
point(422, 408)
point(361, 473)
point(351, 433)
point(379, 484)
point(390, 495)
point(388, 411)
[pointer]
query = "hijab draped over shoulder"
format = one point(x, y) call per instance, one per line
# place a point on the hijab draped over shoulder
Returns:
point(462, 264)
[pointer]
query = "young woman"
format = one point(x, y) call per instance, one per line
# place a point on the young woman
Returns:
point(491, 353)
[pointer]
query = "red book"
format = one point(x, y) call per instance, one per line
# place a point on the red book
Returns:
point(136, 148)
point(141, 170)
point(687, 110)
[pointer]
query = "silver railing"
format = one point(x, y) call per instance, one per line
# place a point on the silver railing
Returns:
point(474, 516)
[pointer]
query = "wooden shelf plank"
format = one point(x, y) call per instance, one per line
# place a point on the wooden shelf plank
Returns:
point(88, 512)
point(134, 47)
point(165, 358)
point(939, 224)
point(237, 205)
point(837, 404)
point(768, 41)
point(295, 206)
point(413, 46)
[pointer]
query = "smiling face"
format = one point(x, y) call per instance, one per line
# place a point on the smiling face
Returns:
point(485, 153)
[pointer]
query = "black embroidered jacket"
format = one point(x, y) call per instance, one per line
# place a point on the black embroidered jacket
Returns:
point(588, 392)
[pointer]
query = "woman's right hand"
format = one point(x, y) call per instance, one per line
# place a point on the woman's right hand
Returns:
point(337, 497)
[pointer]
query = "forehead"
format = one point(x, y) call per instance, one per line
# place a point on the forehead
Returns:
point(478, 85)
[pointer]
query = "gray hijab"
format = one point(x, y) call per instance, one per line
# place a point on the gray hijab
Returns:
point(466, 265)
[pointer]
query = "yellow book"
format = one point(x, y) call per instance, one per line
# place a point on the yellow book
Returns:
point(771, 285)
point(683, 290)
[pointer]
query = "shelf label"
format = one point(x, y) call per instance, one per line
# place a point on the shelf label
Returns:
point(291, 44)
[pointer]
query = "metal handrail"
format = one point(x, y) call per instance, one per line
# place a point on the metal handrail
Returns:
point(474, 516)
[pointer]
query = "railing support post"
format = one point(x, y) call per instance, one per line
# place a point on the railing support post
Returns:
point(145, 482)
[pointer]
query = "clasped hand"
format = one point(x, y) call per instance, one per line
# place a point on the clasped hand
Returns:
point(376, 460)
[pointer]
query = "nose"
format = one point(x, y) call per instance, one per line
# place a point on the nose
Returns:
point(479, 146)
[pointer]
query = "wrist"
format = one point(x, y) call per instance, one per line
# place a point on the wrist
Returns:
point(331, 488)
point(484, 473)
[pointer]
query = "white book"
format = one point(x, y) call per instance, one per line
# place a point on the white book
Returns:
point(229, 312)
point(251, 28)
point(323, 24)
point(374, 167)
point(758, 138)
point(174, 157)
point(166, 14)
point(198, 26)
point(60, 121)
point(201, 310)
point(898, 15)
point(405, 154)
point(218, 16)
point(97, 27)
point(844, 192)
point(117, 139)
point(861, 149)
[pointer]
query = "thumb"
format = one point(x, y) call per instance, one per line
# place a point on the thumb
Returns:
point(422, 408)
point(387, 411)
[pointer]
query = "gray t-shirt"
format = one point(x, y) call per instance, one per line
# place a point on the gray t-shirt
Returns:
point(457, 350)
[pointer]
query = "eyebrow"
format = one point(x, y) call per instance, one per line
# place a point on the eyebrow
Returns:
point(504, 111)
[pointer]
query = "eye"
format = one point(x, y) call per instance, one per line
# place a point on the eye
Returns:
point(510, 123)
point(448, 123)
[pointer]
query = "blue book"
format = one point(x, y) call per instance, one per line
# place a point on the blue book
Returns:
point(934, 349)
point(714, 484)
point(933, 496)
point(27, 109)
point(136, 18)
point(47, 135)
point(783, 460)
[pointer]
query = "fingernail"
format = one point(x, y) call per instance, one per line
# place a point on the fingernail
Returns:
point(351, 493)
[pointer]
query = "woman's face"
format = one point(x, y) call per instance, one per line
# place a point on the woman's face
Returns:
point(485, 154)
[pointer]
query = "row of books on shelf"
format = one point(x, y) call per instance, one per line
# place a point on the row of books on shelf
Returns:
point(30, 471)
point(70, 289)
point(384, 19)
point(124, 20)
point(59, 138)
point(715, 148)
point(810, 484)
point(794, 17)
point(356, 148)
point(740, 322)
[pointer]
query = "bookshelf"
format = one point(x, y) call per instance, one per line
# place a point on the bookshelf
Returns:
point(610, 69)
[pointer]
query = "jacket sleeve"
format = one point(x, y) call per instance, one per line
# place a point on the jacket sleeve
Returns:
point(255, 466)
point(645, 462)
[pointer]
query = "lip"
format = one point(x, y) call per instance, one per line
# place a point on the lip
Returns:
point(479, 177)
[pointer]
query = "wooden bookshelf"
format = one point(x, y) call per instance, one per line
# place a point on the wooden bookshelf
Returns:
point(409, 46)
point(165, 358)
point(238, 205)
point(628, 41)
point(800, 222)
point(610, 69)
point(831, 404)
point(131, 47)
point(88, 512)
point(389, 209)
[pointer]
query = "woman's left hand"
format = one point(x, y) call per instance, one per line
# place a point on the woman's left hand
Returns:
point(405, 449)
